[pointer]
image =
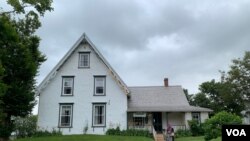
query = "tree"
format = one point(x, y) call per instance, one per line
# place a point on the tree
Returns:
point(239, 75)
point(200, 100)
point(3, 89)
point(212, 126)
point(222, 96)
point(20, 59)
point(188, 96)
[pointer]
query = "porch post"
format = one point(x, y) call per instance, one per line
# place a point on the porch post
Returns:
point(188, 116)
point(164, 120)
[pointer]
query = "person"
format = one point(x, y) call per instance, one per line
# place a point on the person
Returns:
point(170, 133)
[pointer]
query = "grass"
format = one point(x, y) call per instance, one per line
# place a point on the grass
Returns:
point(87, 138)
point(201, 138)
point(106, 138)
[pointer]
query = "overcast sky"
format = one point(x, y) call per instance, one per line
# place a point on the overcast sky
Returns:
point(187, 41)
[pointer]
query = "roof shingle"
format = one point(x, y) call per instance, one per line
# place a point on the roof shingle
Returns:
point(160, 98)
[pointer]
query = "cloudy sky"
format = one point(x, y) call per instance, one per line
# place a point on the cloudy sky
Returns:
point(146, 41)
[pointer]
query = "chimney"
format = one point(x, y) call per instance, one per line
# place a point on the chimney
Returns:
point(166, 82)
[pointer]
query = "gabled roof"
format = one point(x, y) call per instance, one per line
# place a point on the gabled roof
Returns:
point(160, 98)
point(82, 39)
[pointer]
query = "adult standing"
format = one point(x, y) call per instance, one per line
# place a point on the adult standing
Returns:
point(170, 133)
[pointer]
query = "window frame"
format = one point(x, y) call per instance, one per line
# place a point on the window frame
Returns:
point(79, 59)
point(93, 115)
point(196, 114)
point(60, 115)
point(63, 87)
point(104, 85)
point(140, 120)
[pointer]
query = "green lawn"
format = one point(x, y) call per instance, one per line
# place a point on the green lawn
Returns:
point(87, 138)
point(106, 138)
point(195, 139)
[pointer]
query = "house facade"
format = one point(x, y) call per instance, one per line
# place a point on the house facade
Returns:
point(83, 94)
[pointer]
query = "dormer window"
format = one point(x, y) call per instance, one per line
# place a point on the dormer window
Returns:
point(67, 85)
point(99, 85)
point(84, 58)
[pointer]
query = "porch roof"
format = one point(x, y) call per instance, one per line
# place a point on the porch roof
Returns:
point(169, 109)
point(160, 98)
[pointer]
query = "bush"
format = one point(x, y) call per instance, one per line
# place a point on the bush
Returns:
point(25, 127)
point(196, 128)
point(41, 133)
point(183, 133)
point(212, 126)
point(129, 132)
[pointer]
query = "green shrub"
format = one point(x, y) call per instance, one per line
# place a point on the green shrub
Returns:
point(212, 126)
point(196, 128)
point(43, 133)
point(113, 131)
point(25, 127)
point(129, 132)
point(183, 133)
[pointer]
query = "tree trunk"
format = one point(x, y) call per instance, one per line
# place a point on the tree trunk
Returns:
point(6, 130)
point(4, 138)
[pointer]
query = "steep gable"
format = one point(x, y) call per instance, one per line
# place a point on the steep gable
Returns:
point(82, 40)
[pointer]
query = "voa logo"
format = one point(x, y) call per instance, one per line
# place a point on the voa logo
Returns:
point(236, 132)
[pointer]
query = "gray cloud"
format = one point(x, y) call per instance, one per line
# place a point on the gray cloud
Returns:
point(187, 41)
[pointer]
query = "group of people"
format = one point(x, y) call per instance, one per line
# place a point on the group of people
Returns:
point(169, 133)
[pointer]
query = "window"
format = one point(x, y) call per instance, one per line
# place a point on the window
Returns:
point(84, 60)
point(66, 115)
point(99, 85)
point(196, 116)
point(139, 120)
point(67, 85)
point(99, 114)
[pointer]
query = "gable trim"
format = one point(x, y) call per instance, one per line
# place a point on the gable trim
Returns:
point(82, 39)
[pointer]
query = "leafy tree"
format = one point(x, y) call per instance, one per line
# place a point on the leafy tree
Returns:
point(212, 126)
point(20, 59)
point(200, 100)
point(222, 96)
point(2, 90)
point(188, 96)
point(239, 75)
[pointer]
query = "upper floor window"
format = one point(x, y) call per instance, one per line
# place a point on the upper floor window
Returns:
point(99, 85)
point(84, 60)
point(67, 85)
point(66, 113)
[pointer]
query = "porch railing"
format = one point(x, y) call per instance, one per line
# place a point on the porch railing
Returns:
point(176, 127)
point(145, 127)
point(154, 134)
point(151, 129)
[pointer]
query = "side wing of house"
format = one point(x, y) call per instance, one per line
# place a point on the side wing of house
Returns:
point(82, 94)
point(154, 107)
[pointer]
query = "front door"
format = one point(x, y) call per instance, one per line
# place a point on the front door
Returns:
point(157, 121)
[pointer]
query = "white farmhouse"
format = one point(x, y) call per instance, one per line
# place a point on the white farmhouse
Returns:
point(83, 93)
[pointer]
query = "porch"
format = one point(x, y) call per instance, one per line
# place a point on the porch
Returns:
point(157, 120)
